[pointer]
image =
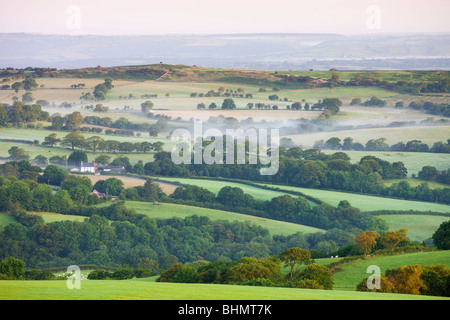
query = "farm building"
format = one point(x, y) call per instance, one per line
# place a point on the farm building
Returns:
point(99, 194)
point(119, 169)
point(88, 167)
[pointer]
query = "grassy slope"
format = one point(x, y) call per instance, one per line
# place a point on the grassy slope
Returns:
point(147, 289)
point(168, 210)
point(363, 202)
point(349, 275)
point(416, 182)
point(215, 186)
point(420, 227)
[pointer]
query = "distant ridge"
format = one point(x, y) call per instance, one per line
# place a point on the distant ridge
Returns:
point(264, 51)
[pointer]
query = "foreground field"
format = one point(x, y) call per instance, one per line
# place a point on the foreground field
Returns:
point(147, 289)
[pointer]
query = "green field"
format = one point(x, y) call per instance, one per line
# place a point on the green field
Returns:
point(420, 227)
point(363, 202)
point(216, 185)
point(350, 274)
point(168, 210)
point(6, 219)
point(416, 182)
point(148, 289)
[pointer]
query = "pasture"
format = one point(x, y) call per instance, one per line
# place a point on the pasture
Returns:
point(415, 183)
point(148, 289)
point(350, 274)
point(363, 202)
point(420, 227)
point(168, 210)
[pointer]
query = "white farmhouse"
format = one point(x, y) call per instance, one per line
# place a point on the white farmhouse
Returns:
point(88, 167)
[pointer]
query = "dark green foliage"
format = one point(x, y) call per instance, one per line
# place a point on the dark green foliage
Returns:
point(441, 237)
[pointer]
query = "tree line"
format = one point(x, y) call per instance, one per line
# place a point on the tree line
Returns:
point(380, 144)
point(255, 272)
point(311, 168)
point(96, 143)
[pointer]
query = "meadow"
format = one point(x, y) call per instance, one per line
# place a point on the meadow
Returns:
point(168, 210)
point(420, 227)
point(148, 289)
point(363, 202)
point(346, 277)
point(350, 274)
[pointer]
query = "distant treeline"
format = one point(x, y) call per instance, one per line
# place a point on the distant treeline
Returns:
point(410, 87)
point(313, 169)
point(380, 144)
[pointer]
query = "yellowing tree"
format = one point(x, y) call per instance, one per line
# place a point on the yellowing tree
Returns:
point(366, 241)
point(407, 279)
point(391, 239)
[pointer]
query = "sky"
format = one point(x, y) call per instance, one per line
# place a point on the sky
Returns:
point(133, 17)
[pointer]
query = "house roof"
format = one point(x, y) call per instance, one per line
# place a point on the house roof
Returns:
point(88, 164)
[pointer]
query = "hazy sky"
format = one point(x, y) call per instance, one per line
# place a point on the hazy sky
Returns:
point(228, 16)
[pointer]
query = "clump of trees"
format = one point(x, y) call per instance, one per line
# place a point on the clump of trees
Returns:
point(335, 143)
point(255, 272)
point(96, 143)
point(20, 114)
point(431, 280)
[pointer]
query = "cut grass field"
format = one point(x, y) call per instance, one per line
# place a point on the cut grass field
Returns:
point(148, 289)
point(416, 182)
point(48, 217)
point(363, 202)
point(368, 202)
point(168, 210)
point(350, 274)
point(420, 227)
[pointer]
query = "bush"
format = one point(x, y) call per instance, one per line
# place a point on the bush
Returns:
point(315, 272)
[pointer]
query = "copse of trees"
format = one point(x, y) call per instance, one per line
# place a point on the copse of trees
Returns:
point(414, 279)
point(96, 143)
point(254, 272)
point(19, 114)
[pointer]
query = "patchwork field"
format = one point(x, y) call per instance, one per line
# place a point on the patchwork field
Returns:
point(174, 101)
